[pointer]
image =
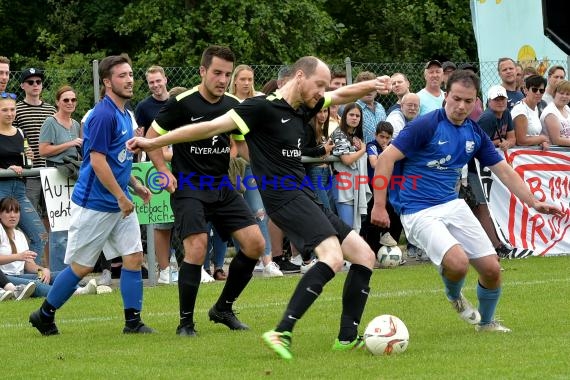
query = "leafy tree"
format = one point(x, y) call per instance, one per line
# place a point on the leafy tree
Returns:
point(261, 32)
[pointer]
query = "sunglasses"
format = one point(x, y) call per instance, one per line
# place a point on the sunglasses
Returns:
point(67, 100)
point(31, 82)
point(535, 90)
point(6, 95)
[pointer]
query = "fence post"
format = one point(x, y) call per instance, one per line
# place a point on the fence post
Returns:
point(95, 81)
point(348, 68)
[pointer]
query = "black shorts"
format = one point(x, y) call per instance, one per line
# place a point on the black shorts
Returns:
point(307, 223)
point(224, 208)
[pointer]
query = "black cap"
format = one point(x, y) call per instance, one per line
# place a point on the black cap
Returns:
point(448, 65)
point(432, 63)
point(468, 66)
point(31, 72)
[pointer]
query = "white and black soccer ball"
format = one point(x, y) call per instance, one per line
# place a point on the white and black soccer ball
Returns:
point(386, 335)
point(389, 257)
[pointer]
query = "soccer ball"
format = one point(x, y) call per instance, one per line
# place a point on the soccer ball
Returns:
point(389, 257)
point(386, 335)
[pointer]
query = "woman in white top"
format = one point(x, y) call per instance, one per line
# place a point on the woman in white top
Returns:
point(525, 114)
point(555, 118)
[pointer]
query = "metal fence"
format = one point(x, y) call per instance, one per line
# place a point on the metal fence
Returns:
point(84, 80)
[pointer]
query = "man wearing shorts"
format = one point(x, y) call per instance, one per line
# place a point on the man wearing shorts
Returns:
point(435, 147)
point(199, 195)
point(103, 216)
point(276, 124)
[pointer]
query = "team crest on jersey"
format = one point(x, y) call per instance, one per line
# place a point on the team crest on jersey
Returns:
point(469, 146)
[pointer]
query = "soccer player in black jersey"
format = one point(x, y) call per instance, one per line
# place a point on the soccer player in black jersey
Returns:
point(275, 123)
point(198, 194)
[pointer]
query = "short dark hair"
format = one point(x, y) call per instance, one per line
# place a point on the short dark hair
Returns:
point(222, 52)
point(307, 65)
point(503, 59)
point(534, 81)
point(338, 74)
point(4, 59)
point(466, 77)
point(106, 65)
point(385, 126)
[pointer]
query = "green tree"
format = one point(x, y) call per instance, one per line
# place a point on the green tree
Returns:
point(261, 32)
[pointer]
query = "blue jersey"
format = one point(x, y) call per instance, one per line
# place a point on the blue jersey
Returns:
point(106, 131)
point(436, 150)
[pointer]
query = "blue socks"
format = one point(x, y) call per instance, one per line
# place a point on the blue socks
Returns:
point(131, 289)
point(63, 288)
point(452, 288)
point(488, 300)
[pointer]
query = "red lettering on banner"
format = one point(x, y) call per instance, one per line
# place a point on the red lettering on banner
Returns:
point(536, 227)
point(535, 188)
point(558, 187)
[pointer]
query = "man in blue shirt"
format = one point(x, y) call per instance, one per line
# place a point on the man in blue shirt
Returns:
point(103, 216)
point(435, 147)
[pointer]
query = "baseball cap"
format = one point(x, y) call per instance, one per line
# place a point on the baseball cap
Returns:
point(468, 66)
point(496, 91)
point(448, 65)
point(432, 63)
point(31, 72)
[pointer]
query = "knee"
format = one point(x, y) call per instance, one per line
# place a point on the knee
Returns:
point(456, 266)
point(133, 262)
point(255, 247)
point(491, 273)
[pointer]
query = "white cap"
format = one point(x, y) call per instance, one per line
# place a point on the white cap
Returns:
point(496, 91)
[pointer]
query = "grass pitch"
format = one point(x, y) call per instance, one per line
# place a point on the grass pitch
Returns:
point(91, 346)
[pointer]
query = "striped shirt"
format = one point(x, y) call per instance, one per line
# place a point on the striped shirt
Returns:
point(29, 118)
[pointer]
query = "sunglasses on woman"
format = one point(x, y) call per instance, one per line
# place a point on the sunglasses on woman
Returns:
point(67, 100)
point(535, 90)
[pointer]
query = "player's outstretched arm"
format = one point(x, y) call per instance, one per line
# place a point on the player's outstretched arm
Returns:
point(190, 132)
point(515, 184)
point(353, 92)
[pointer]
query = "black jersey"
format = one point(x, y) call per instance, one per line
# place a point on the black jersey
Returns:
point(205, 162)
point(275, 134)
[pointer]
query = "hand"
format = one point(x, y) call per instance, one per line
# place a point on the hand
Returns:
point(28, 256)
point(143, 192)
point(379, 216)
point(545, 208)
point(139, 132)
point(136, 144)
point(45, 276)
point(126, 206)
point(504, 145)
point(329, 145)
point(545, 145)
point(17, 169)
point(383, 85)
point(76, 142)
point(172, 182)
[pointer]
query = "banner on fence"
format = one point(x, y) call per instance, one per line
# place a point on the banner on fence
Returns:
point(57, 191)
point(547, 175)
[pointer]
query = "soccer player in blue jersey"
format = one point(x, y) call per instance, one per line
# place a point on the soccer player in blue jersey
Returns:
point(103, 216)
point(434, 148)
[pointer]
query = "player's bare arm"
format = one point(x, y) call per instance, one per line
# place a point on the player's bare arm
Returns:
point(191, 132)
point(515, 184)
point(347, 94)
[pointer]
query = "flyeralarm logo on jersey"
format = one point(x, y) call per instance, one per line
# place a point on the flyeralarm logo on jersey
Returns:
point(344, 181)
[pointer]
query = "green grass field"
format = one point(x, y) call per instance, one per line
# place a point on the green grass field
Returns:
point(91, 346)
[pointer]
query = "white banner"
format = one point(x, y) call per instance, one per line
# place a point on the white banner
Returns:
point(547, 175)
point(57, 191)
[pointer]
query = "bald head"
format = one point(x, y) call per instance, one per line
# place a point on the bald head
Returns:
point(410, 106)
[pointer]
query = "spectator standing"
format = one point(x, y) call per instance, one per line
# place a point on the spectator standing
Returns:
point(31, 113)
point(145, 112)
point(431, 96)
point(448, 67)
point(525, 114)
point(400, 87)
point(508, 74)
point(555, 118)
point(103, 216)
point(59, 140)
point(372, 111)
point(555, 74)
point(408, 111)
point(4, 72)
